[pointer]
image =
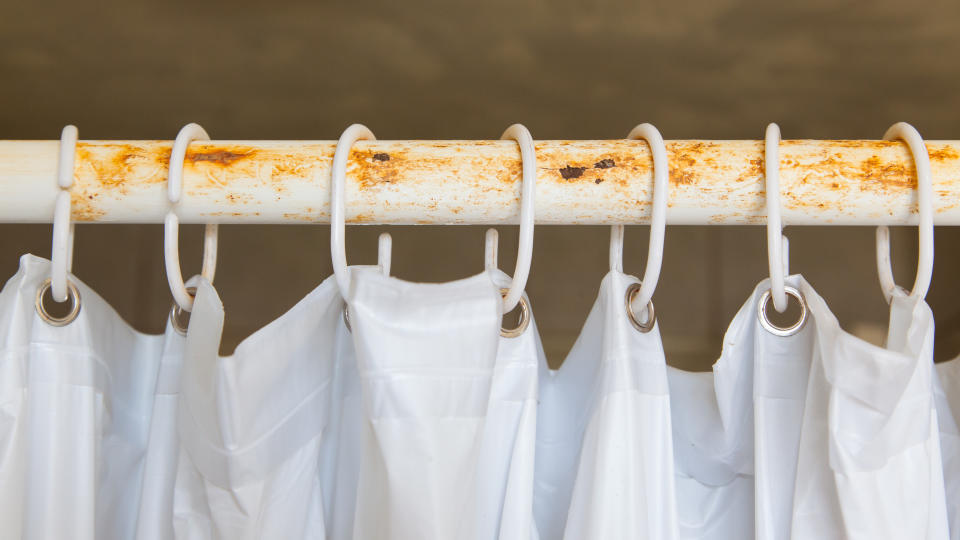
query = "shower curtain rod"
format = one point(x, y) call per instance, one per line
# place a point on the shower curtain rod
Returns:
point(841, 182)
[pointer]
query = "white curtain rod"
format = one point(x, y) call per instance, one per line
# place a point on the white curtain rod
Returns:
point(841, 182)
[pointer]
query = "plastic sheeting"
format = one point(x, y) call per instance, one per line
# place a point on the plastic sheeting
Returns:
point(419, 420)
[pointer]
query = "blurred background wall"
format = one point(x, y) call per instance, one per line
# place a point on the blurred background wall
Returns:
point(423, 69)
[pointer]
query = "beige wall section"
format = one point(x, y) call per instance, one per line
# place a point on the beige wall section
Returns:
point(423, 69)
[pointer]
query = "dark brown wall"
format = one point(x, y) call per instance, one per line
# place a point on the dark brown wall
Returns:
point(417, 69)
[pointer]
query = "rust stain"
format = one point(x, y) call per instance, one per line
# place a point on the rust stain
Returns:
point(887, 174)
point(219, 157)
point(362, 218)
point(485, 171)
point(841, 143)
point(231, 214)
point(118, 166)
point(684, 157)
point(604, 164)
point(680, 175)
point(754, 170)
point(84, 208)
point(943, 154)
point(369, 169)
point(569, 172)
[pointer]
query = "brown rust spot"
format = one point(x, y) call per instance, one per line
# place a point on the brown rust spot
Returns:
point(219, 157)
point(381, 156)
point(569, 172)
point(604, 164)
point(598, 181)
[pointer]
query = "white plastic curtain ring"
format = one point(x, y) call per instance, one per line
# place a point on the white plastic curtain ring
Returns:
point(61, 255)
point(338, 175)
point(921, 160)
point(775, 238)
point(616, 248)
point(384, 260)
point(68, 155)
point(778, 330)
point(171, 237)
point(642, 300)
point(528, 156)
point(384, 253)
point(491, 248)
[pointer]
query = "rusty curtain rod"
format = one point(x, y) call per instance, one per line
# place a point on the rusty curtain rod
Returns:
point(840, 182)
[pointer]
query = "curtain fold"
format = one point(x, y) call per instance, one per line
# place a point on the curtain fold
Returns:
point(77, 404)
point(252, 424)
point(869, 462)
point(604, 445)
point(947, 397)
point(450, 414)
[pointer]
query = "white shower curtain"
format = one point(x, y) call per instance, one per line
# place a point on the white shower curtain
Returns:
point(604, 446)
point(410, 416)
point(85, 429)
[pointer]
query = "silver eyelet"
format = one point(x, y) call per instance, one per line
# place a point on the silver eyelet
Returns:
point(524, 318)
point(73, 295)
point(179, 317)
point(346, 318)
point(777, 330)
point(648, 324)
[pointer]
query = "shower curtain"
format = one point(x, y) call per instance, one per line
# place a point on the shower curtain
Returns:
point(403, 412)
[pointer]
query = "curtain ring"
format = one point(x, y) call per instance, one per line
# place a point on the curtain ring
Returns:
point(384, 256)
point(640, 298)
point(776, 241)
point(921, 160)
point(491, 247)
point(171, 223)
point(528, 156)
point(338, 250)
point(616, 248)
point(61, 255)
point(338, 174)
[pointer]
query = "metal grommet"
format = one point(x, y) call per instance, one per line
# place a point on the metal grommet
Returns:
point(73, 294)
point(179, 317)
point(648, 324)
point(524, 317)
point(346, 318)
point(774, 329)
